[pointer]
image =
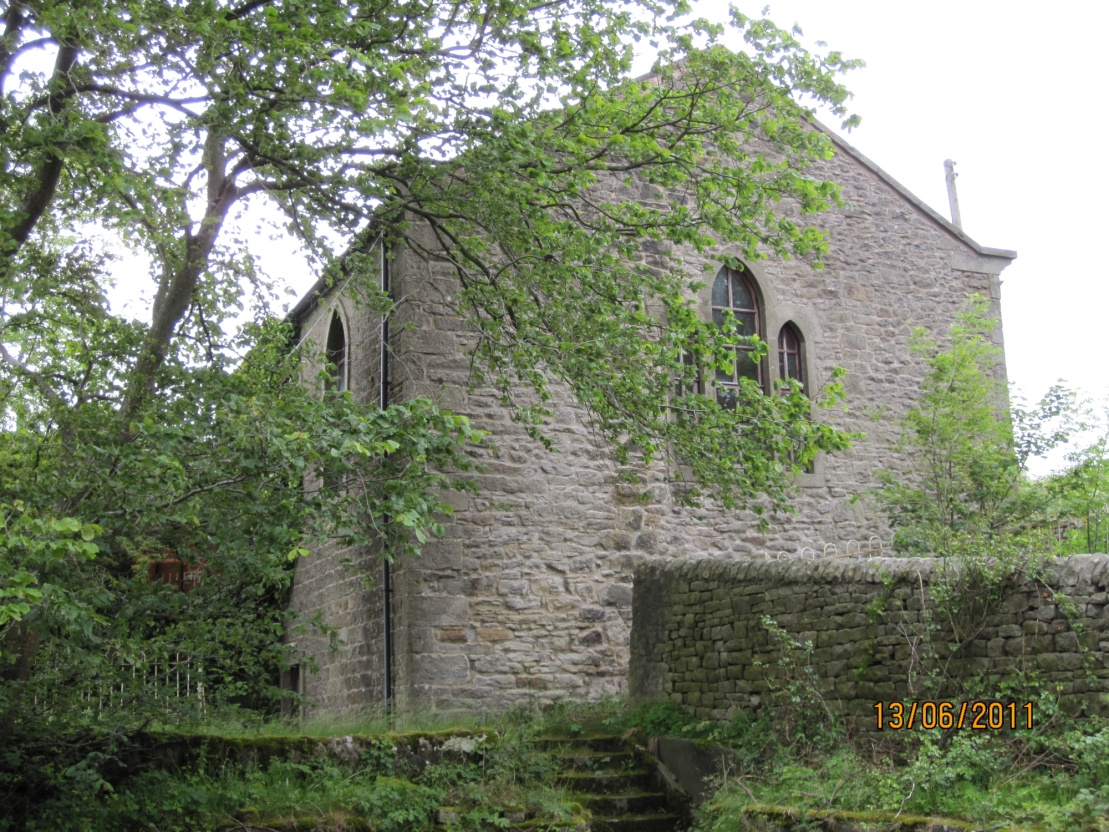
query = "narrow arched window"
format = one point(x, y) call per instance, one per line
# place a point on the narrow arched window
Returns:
point(337, 352)
point(734, 291)
point(791, 365)
point(789, 354)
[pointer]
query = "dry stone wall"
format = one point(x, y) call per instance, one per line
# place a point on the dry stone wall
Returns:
point(699, 634)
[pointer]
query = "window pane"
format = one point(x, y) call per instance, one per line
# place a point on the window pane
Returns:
point(337, 352)
point(746, 367)
point(746, 323)
point(733, 291)
point(720, 289)
point(697, 387)
point(789, 353)
point(741, 295)
point(341, 374)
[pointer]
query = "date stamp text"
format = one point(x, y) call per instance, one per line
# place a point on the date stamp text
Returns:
point(979, 715)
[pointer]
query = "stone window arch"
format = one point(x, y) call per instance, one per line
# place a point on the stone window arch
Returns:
point(338, 353)
point(736, 291)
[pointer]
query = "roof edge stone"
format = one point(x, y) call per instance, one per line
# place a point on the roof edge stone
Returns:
point(928, 210)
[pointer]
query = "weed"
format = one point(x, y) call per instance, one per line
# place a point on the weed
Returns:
point(800, 711)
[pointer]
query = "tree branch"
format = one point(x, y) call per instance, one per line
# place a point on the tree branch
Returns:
point(245, 9)
point(22, 369)
point(143, 98)
point(14, 20)
point(178, 285)
point(203, 489)
point(38, 199)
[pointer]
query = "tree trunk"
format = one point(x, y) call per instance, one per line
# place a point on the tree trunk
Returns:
point(178, 284)
point(23, 641)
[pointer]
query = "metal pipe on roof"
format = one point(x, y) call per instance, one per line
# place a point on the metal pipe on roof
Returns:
point(952, 195)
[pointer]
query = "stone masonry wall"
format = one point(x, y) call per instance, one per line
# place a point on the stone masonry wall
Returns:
point(528, 597)
point(340, 585)
point(698, 631)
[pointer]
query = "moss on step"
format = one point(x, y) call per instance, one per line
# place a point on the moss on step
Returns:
point(837, 820)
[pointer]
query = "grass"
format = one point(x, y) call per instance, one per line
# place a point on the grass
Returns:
point(1053, 778)
point(370, 722)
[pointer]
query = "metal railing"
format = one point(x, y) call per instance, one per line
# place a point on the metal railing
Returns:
point(874, 546)
point(162, 676)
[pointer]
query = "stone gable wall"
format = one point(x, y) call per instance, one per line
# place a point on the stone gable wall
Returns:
point(698, 631)
point(528, 597)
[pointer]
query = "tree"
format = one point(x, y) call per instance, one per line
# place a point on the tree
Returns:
point(968, 494)
point(498, 126)
point(1076, 499)
point(964, 495)
point(163, 120)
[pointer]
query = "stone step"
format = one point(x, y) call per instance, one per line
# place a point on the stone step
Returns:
point(610, 761)
point(637, 823)
point(570, 745)
point(607, 782)
point(636, 803)
point(619, 790)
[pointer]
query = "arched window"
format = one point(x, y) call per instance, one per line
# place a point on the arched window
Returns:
point(337, 352)
point(790, 365)
point(734, 291)
point(789, 354)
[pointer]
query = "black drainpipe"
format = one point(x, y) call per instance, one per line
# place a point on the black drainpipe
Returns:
point(386, 572)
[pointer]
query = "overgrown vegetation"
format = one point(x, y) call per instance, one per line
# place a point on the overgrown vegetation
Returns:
point(1050, 777)
point(279, 776)
point(1076, 500)
point(285, 776)
point(966, 498)
point(969, 443)
point(968, 446)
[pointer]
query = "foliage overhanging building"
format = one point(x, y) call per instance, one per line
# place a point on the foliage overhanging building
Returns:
point(527, 596)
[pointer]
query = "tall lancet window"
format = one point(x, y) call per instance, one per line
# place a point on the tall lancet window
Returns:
point(791, 365)
point(789, 354)
point(337, 352)
point(734, 291)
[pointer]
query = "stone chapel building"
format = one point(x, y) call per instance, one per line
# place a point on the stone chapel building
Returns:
point(527, 597)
